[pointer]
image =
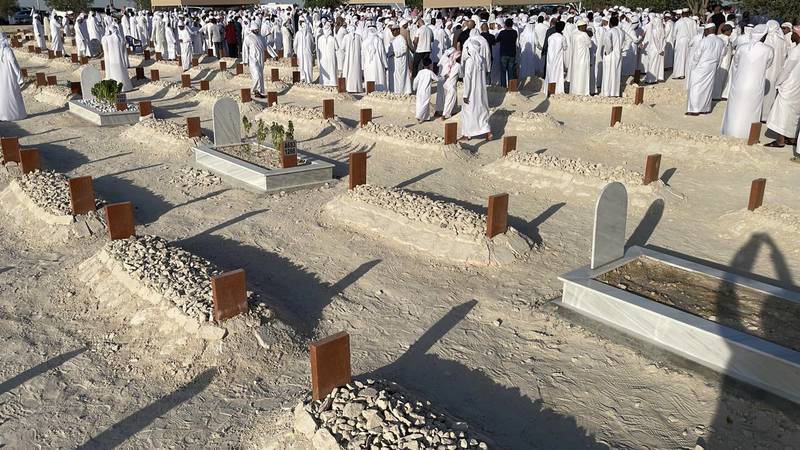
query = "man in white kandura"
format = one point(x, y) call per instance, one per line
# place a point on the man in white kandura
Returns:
point(706, 57)
point(580, 67)
point(12, 106)
point(256, 45)
point(187, 49)
point(302, 48)
point(475, 112)
point(612, 60)
point(326, 57)
point(784, 118)
point(351, 70)
point(375, 63)
point(115, 58)
point(398, 51)
point(747, 86)
point(556, 50)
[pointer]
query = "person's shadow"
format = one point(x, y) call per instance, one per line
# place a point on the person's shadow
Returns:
point(727, 426)
point(512, 420)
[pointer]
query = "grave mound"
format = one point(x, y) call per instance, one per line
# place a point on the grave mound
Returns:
point(174, 281)
point(529, 120)
point(57, 95)
point(379, 414)
point(161, 134)
point(409, 140)
point(316, 89)
point(546, 171)
point(422, 224)
point(42, 198)
point(307, 121)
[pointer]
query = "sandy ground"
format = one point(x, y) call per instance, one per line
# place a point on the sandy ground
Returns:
point(483, 343)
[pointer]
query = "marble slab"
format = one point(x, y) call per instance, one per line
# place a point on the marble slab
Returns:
point(89, 77)
point(227, 122)
point(748, 358)
point(103, 119)
point(610, 219)
point(259, 179)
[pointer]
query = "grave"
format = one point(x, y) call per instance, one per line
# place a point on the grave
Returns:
point(99, 113)
point(253, 165)
point(633, 291)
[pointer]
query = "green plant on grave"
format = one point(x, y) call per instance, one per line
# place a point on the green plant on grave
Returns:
point(107, 91)
point(247, 126)
point(290, 132)
point(277, 134)
point(261, 132)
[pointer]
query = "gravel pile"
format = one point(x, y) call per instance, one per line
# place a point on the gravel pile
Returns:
point(403, 133)
point(576, 167)
point(661, 93)
point(784, 217)
point(107, 108)
point(58, 90)
point(180, 276)
point(316, 87)
point(166, 127)
point(216, 94)
point(49, 190)
point(161, 84)
point(295, 111)
point(191, 177)
point(420, 208)
point(378, 415)
point(595, 100)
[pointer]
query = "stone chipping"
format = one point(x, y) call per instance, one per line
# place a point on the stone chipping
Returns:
point(178, 275)
point(378, 414)
point(294, 111)
point(190, 177)
point(675, 133)
point(454, 218)
point(593, 99)
point(576, 167)
point(49, 190)
point(391, 97)
point(106, 107)
point(166, 127)
point(536, 120)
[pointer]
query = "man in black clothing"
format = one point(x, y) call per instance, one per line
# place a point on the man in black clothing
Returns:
point(465, 30)
point(507, 40)
point(717, 18)
point(489, 37)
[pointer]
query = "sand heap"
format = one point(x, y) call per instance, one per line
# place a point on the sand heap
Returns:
point(576, 167)
point(376, 414)
point(189, 177)
point(389, 98)
point(592, 100)
point(409, 139)
point(317, 89)
point(49, 190)
point(420, 223)
point(56, 95)
point(532, 121)
point(671, 93)
point(179, 276)
point(724, 142)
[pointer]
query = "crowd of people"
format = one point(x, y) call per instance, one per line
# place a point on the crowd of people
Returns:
point(720, 54)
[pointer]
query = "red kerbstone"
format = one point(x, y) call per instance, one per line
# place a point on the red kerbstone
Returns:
point(330, 364)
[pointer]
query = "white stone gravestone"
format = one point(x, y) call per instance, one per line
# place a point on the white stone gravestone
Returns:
point(610, 218)
point(226, 122)
point(89, 77)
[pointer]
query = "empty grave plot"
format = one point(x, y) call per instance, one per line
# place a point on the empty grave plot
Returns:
point(659, 94)
point(308, 121)
point(546, 171)
point(162, 135)
point(389, 100)
point(767, 216)
point(146, 279)
point(673, 140)
point(419, 223)
point(54, 95)
point(316, 90)
point(749, 311)
point(402, 138)
point(171, 88)
point(44, 198)
point(379, 414)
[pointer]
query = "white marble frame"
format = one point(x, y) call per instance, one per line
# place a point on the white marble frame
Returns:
point(100, 118)
point(260, 179)
point(748, 358)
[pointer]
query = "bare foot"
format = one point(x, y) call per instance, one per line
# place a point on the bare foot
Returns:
point(489, 136)
point(463, 139)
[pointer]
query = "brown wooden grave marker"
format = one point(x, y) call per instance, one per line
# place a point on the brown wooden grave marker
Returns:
point(41, 79)
point(341, 85)
point(296, 76)
point(358, 169)
point(330, 364)
point(204, 85)
point(370, 87)
point(551, 89)
point(757, 189)
point(245, 95)
point(327, 108)
point(75, 87)
point(639, 98)
point(193, 126)
point(274, 75)
point(239, 69)
point(29, 160)
point(450, 133)
point(52, 80)
point(365, 116)
point(145, 108)
point(616, 115)
point(139, 73)
point(119, 219)
point(512, 85)
point(229, 291)
point(497, 216)
point(223, 66)
point(186, 80)
point(154, 75)
point(755, 134)
point(509, 144)
point(272, 98)
point(10, 146)
point(652, 168)
point(81, 195)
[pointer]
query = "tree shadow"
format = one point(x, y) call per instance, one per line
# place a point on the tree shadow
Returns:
point(297, 294)
point(35, 371)
point(118, 433)
point(772, 317)
point(514, 420)
point(647, 226)
point(148, 205)
point(417, 178)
